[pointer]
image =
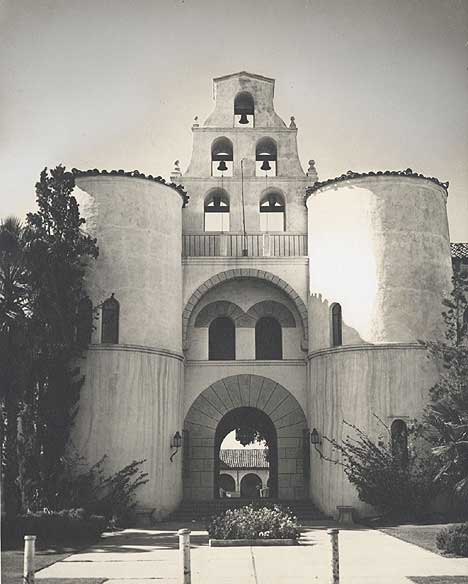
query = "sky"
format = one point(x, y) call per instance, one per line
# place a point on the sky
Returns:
point(373, 84)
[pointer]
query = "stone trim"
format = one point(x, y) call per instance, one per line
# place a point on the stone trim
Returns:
point(275, 309)
point(238, 274)
point(222, 308)
point(246, 362)
point(126, 348)
point(364, 347)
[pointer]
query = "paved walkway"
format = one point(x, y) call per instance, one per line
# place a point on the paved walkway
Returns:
point(366, 556)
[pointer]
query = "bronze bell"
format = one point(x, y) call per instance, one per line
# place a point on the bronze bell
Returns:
point(243, 119)
point(222, 166)
point(265, 165)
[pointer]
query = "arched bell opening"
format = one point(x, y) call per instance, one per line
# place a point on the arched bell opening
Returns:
point(252, 426)
point(266, 157)
point(272, 212)
point(244, 110)
point(216, 211)
point(222, 157)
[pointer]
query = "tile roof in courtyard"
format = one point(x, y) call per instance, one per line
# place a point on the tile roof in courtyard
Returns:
point(243, 458)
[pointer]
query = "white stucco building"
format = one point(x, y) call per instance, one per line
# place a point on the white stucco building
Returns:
point(264, 299)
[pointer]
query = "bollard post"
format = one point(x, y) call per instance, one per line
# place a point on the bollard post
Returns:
point(28, 566)
point(184, 547)
point(333, 533)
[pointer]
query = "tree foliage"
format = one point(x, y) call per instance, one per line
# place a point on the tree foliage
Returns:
point(396, 485)
point(41, 284)
point(446, 417)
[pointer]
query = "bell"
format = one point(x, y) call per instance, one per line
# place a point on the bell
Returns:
point(265, 165)
point(272, 200)
point(216, 201)
point(222, 166)
point(243, 119)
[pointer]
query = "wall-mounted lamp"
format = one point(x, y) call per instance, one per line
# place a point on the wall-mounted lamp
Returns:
point(176, 442)
point(315, 437)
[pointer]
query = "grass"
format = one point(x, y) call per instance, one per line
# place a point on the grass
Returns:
point(12, 566)
point(421, 535)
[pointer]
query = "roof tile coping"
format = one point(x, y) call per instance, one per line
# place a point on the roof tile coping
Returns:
point(134, 174)
point(352, 175)
point(459, 250)
point(243, 458)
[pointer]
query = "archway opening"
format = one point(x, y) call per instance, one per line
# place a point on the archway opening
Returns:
point(255, 452)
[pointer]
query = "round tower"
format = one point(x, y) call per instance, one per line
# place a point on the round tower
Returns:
point(380, 267)
point(130, 405)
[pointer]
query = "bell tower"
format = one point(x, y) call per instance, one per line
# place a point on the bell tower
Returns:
point(244, 175)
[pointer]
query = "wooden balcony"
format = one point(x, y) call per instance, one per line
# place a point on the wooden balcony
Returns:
point(233, 244)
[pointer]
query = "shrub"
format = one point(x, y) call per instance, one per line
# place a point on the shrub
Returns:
point(454, 539)
point(254, 522)
point(66, 527)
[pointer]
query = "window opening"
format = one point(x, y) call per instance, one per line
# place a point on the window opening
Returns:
point(337, 325)
point(222, 340)
point(399, 433)
point(110, 321)
point(268, 339)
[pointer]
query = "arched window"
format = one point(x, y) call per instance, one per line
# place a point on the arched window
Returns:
point(244, 109)
point(222, 158)
point(222, 340)
point(84, 325)
point(110, 321)
point(268, 339)
point(272, 212)
point(217, 211)
point(265, 157)
point(336, 325)
point(399, 432)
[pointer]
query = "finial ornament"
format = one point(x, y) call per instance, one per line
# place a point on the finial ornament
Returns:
point(312, 171)
point(176, 173)
point(195, 122)
point(293, 122)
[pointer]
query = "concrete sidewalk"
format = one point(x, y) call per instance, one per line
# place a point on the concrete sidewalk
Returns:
point(366, 556)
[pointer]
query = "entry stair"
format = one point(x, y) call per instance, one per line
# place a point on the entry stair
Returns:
point(304, 510)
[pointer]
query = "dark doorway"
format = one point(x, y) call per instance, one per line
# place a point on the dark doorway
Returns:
point(268, 339)
point(222, 340)
point(250, 486)
point(250, 424)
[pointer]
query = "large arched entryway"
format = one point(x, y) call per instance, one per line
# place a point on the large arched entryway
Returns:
point(204, 426)
point(252, 422)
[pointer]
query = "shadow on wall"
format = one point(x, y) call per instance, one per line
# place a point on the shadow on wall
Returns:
point(321, 329)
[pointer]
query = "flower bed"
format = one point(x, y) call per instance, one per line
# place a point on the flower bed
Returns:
point(454, 540)
point(254, 523)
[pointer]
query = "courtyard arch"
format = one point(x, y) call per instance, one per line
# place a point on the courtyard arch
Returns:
point(245, 391)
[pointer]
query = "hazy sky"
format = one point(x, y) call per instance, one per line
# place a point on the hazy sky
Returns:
point(373, 84)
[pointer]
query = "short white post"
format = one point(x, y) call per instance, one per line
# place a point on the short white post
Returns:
point(29, 551)
point(333, 533)
point(184, 547)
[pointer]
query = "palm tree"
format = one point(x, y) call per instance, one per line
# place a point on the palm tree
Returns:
point(14, 318)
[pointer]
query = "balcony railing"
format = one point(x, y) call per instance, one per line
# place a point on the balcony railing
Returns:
point(233, 244)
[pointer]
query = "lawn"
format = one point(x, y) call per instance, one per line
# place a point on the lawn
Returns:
point(421, 535)
point(12, 566)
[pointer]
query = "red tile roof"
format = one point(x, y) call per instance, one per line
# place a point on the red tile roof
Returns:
point(243, 458)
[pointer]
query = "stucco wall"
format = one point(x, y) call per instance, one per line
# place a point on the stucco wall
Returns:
point(380, 247)
point(353, 384)
point(137, 224)
point(130, 408)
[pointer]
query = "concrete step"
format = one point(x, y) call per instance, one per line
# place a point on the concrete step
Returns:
point(193, 510)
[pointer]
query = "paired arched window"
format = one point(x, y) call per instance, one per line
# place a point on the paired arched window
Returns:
point(336, 325)
point(222, 157)
point(265, 157)
point(244, 109)
point(268, 339)
point(217, 211)
point(110, 321)
point(272, 212)
point(84, 325)
point(222, 340)
point(399, 433)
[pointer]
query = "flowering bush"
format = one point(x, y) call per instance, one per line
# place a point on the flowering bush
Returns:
point(254, 522)
point(454, 540)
